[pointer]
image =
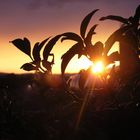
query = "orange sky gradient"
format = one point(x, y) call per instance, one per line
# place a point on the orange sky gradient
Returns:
point(37, 23)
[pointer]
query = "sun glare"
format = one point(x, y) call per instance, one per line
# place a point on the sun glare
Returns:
point(98, 67)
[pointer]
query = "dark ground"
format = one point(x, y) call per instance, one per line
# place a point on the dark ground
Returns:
point(37, 112)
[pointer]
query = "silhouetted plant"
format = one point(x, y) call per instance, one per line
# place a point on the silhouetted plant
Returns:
point(128, 37)
point(82, 41)
point(84, 45)
point(38, 64)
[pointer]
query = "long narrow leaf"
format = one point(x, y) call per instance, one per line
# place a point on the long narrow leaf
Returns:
point(75, 49)
point(85, 23)
point(23, 45)
point(35, 52)
point(37, 48)
point(49, 46)
point(88, 39)
point(43, 42)
point(117, 18)
point(71, 36)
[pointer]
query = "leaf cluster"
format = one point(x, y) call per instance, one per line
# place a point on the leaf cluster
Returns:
point(37, 63)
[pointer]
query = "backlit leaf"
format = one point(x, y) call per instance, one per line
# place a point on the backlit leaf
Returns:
point(71, 36)
point(85, 23)
point(36, 52)
point(28, 67)
point(49, 46)
point(23, 45)
point(37, 48)
point(117, 18)
point(88, 39)
point(75, 49)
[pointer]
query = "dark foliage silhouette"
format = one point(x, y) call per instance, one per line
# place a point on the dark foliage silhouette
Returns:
point(82, 41)
point(38, 64)
point(128, 37)
point(84, 45)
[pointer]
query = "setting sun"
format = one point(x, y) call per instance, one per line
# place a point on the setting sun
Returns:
point(98, 67)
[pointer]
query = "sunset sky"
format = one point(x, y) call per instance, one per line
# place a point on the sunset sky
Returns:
point(39, 19)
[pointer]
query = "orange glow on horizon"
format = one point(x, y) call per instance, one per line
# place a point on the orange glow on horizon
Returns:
point(11, 58)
